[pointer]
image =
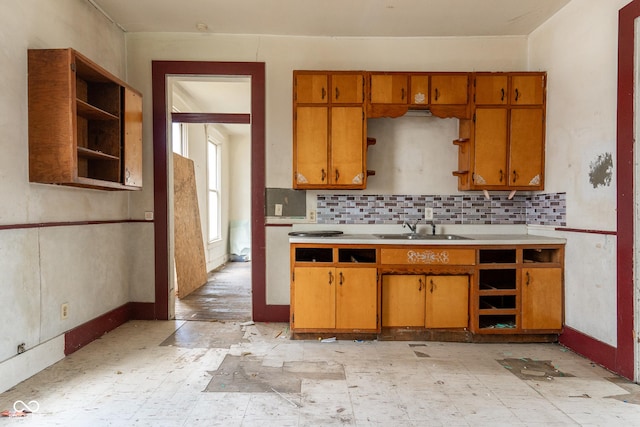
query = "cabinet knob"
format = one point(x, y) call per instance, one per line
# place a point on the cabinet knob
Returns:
point(337, 175)
point(337, 93)
point(501, 175)
point(341, 278)
point(420, 283)
point(437, 94)
point(528, 278)
point(402, 93)
point(324, 175)
point(515, 176)
point(324, 93)
point(517, 94)
point(432, 286)
point(502, 97)
point(330, 278)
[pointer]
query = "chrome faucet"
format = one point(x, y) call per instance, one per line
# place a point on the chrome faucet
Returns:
point(413, 227)
point(433, 227)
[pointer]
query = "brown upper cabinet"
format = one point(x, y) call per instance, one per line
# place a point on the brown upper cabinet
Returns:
point(502, 147)
point(450, 89)
point(514, 89)
point(85, 125)
point(389, 88)
point(329, 128)
point(501, 124)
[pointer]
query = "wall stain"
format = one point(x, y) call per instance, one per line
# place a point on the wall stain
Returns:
point(601, 170)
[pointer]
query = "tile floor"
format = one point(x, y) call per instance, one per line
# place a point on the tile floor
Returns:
point(199, 373)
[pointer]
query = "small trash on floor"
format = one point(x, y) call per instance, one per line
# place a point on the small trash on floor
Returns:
point(8, 413)
point(332, 339)
point(249, 323)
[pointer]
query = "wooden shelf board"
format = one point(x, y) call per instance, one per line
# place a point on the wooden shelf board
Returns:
point(93, 154)
point(88, 111)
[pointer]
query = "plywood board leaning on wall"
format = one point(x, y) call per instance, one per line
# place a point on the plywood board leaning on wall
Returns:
point(191, 270)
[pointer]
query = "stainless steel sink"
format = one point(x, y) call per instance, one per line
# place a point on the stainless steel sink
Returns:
point(419, 236)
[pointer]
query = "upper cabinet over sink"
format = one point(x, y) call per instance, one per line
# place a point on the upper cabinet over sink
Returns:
point(501, 124)
point(394, 93)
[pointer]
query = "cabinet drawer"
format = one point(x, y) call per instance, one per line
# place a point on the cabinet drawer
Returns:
point(437, 256)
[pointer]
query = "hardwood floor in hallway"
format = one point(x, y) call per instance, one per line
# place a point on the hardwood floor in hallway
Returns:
point(225, 296)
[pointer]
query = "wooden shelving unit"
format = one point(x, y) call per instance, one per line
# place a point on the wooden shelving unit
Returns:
point(85, 125)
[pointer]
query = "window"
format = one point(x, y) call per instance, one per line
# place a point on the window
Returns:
point(213, 172)
point(179, 138)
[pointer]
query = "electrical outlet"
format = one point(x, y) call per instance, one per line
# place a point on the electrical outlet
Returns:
point(148, 215)
point(428, 214)
point(278, 209)
point(64, 311)
point(312, 216)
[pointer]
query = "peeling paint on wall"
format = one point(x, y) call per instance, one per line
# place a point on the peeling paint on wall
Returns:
point(601, 170)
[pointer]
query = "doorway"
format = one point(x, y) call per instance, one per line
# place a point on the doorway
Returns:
point(211, 131)
point(164, 283)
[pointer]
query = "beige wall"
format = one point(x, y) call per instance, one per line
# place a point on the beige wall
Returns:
point(578, 48)
point(89, 267)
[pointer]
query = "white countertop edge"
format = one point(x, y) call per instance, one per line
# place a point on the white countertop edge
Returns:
point(473, 240)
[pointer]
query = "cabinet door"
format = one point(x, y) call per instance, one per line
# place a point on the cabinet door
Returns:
point(526, 147)
point(490, 147)
point(347, 146)
point(311, 89)
point(347, 88)
point(541, 298)
point(311, 145)
point(314, 298)
point(419, 90)
point(132, 138)
point(527, 89)
point(356, 299)
point(403, 300)
point(449, 89)
point(491, 90)
point(447, 302)
point(388, 88)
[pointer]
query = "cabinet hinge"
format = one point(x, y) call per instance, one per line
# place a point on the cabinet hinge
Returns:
point(73, 67)
point(474, 117)
point(293, 318)
point(293, 276)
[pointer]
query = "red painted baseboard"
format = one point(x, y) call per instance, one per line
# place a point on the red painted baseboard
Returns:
point(589, 347)
point(82, 335)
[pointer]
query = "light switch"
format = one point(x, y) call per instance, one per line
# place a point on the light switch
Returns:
point(278, 209)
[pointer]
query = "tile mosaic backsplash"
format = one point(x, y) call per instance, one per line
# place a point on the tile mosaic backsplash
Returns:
point(540, 209)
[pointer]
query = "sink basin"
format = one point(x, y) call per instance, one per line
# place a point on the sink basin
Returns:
point(418, 236)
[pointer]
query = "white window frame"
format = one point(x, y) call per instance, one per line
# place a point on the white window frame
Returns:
point(214, 188)
point(184, 138)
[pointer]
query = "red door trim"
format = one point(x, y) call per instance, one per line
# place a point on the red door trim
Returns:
point(625, 188)
point(256, 70)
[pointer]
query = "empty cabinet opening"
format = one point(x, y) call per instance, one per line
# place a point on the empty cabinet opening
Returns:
point(314, 254)
point(360, 255)
point(497, 256)
point(497, 279)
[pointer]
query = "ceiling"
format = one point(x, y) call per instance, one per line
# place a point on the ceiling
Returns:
point(321, 18)
point(333, 18)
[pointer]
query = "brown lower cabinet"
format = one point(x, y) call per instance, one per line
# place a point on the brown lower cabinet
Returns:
point(335, 298)
point(511, 292)
point(425, 301)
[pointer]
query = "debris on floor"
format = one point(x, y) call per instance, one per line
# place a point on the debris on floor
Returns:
point(526, 369)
